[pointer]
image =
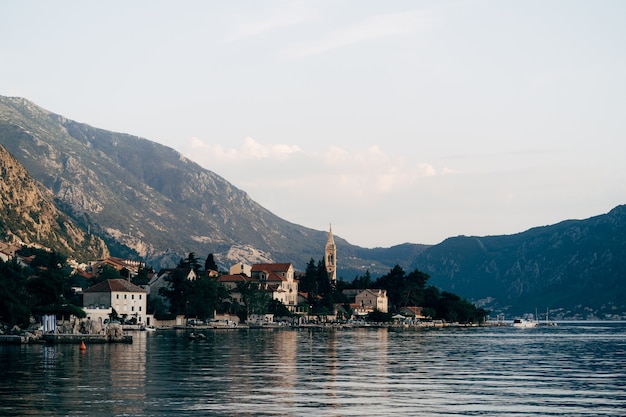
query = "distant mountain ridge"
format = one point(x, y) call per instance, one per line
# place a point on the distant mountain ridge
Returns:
point(146, 200)
point(578, 266)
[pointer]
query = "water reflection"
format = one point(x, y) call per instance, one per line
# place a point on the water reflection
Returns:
point(566, 371)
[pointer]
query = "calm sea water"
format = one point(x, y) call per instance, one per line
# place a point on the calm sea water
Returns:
point(573, 369)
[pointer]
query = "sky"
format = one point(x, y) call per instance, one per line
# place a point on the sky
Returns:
point(394, 121)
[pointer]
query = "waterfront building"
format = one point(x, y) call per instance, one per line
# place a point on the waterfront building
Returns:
point(277, 279)
point(280, 280)
point(373, 300)
point(126, 298)
point(365, 301)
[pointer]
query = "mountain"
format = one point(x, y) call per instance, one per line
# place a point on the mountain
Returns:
point(147, 200)
point(576, 268)
point(29, 215)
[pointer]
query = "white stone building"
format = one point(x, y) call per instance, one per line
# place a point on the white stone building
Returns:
point(126, 298)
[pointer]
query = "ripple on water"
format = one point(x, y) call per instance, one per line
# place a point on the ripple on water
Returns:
point(567, 370)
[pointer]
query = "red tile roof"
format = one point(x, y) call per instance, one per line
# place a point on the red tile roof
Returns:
point(271, 267)
point(235, 278)
point(273, 277)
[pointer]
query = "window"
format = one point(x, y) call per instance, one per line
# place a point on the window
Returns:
point(132, 308)
point(125, 296)
point(117, 296)
point(139, 308)
point(140, 296)
point(132, 296)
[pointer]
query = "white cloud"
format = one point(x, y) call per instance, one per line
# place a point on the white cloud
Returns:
point(289, 14)
point(449, 171)
point(375, 27)
point(342, 173)
point(249, 150)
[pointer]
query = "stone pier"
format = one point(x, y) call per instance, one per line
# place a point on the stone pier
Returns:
point(87, 338)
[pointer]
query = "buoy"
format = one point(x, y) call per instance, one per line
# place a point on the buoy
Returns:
point(82, 346)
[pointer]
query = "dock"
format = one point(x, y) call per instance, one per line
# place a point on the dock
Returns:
point(87, 338)
point(9, 339)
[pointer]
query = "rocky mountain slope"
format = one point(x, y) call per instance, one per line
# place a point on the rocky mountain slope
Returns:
point(29, 215)
point(146, 200)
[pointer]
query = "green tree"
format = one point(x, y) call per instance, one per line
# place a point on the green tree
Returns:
point(394, 283)
point(259, 302)
point(308, 283)
point(157, 307)
point(107, 272)
point(413, 288)
point(256, 301)
point(278, 308)
point(378, 316)
point(14, 298)
point(204, 297)
point(453, 308)
point(177, 292)
point(362, 282)
point(325, 305)
point(47, 290)
point(210, 264)
point(191, 261)
point(431, 295)
point(403, 289)
point(142, 277)
point(324, 285)
point(246, 289)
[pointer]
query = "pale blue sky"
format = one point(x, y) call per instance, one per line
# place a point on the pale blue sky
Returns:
point(396, 121)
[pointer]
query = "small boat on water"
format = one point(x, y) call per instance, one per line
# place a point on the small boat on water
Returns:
point(147, 329)
point(524, 323)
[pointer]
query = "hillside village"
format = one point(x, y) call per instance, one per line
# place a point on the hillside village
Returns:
point(58, 191)
point(127, 293)
point(243, 285)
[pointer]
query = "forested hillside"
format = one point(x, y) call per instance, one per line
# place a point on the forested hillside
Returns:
point(577, 267)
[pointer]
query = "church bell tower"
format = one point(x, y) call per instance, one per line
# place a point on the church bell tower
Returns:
point(330, 257)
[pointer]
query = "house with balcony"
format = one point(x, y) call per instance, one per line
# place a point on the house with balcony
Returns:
point(280, 279)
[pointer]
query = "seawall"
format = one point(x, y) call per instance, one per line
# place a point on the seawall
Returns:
point(87, 338)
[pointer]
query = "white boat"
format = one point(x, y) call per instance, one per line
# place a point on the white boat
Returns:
point(147, 328)
point(524, 323)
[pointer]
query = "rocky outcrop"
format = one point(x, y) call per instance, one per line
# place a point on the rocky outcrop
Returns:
point(28, 215)
point(114, 333)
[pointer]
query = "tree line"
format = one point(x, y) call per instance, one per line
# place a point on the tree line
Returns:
point(45, 287)
point(403, 290)
point(201, 297)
